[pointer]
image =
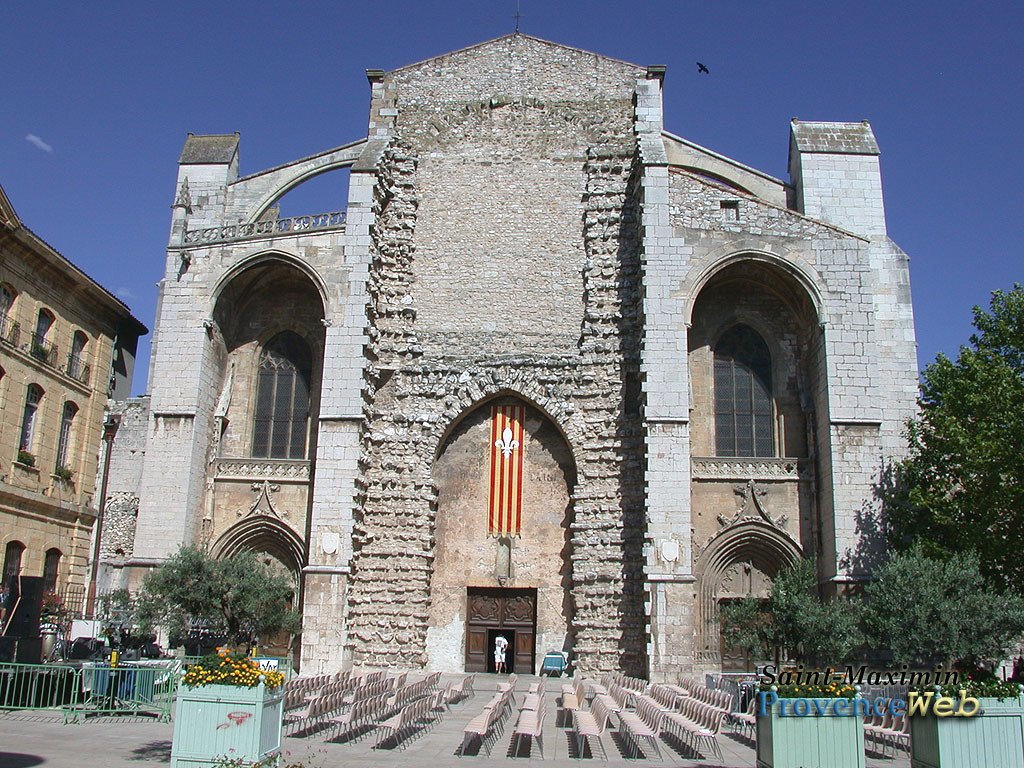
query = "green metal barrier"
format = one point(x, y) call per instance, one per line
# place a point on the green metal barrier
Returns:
point(38, 686)
point(141, 690)
point(137, 689)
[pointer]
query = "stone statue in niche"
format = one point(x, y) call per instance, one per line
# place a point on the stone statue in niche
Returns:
point(503, 560)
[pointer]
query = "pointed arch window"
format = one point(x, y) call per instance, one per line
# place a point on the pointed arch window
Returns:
point(281, 421)
point(743, 394)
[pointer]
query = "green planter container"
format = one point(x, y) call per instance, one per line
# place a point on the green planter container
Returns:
point(802, 742)
point(216, 721)
point(994, 738)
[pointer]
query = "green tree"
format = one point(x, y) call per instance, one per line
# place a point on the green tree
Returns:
point(796, 620)
point(239, 595)
point(940, 610)
point(961, 487)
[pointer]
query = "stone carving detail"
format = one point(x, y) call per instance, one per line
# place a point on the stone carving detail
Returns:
point(184, 199)
point(272, 228)
point(285, 470)
point(752, 507)
point(264, 504)
point(745, 469)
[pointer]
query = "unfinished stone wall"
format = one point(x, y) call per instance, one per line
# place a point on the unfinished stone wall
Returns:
point(534, 294)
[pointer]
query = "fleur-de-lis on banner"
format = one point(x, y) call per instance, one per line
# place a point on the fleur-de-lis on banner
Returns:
point(506, 444)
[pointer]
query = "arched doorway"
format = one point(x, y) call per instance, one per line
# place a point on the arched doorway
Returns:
point(741, 561)
point(488, 582)
point(279, 547)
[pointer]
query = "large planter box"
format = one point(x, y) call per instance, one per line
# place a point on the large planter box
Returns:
point(217, 721)
point(994, 738)
point(824, 741)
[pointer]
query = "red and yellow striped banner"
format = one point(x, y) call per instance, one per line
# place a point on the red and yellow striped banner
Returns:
point(505, 500)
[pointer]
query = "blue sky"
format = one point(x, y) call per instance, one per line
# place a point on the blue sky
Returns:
point(98, 98)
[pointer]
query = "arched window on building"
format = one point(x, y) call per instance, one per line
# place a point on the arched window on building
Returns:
point(8, 327)
point(12, 560)
point(64, 438)
point(77, 369)
point(41, 347)
point(28, 420)
point(51, 569)
point(743, 394)
point(280, 422)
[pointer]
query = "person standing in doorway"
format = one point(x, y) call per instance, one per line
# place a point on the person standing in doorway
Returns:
point(500, 646)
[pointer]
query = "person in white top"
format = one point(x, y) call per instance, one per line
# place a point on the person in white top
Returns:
point(500, 646)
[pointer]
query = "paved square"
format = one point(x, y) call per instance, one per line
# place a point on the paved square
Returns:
point(41, 739)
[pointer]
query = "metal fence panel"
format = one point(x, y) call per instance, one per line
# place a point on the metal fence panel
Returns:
point(38, 686)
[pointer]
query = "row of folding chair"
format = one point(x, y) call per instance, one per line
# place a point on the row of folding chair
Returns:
point(530, 722)
point(489, 724)
point(888, 729)
point(697, 723)
point(359, 717)
point(462, 690)
point(719, 699)
point(412, 717)
point(315, 712)
point(295, 690)
point(588, 725)
point(642, 724)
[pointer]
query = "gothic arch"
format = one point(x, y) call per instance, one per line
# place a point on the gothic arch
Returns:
point(468, 405)
point(793, 271)
point(764, 546)
point(267, 257)
point(263, 533)
point(534, 565)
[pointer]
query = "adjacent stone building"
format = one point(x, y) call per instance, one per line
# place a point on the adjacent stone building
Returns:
point(66, 345)
point(550, 372)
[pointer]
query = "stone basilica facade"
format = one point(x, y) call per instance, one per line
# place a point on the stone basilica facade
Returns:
point(550, 372)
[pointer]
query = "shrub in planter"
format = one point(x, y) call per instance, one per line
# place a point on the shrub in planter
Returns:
point(992, 738)
point(63, 474)
point(27, 458)
point(227, 708)
point(801, 725)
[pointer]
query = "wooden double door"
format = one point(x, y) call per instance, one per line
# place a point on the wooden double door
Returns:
point(510, 613)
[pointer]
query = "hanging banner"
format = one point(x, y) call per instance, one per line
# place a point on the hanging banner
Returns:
point(505, 499)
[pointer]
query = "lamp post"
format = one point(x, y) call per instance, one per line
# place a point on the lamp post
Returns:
point(110, 425)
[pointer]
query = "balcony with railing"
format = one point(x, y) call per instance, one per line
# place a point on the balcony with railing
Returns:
point(43, 350)
point(261, 229)
point(77, 370)
point(10, 331)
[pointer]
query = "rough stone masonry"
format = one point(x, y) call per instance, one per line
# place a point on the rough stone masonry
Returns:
point(713, 365)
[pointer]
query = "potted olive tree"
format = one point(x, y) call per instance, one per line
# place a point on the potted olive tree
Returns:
point(941, 612)
point(801, 723)
point(226, 707)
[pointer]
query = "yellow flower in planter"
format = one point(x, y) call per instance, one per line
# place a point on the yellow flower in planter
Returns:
point(228, 668)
